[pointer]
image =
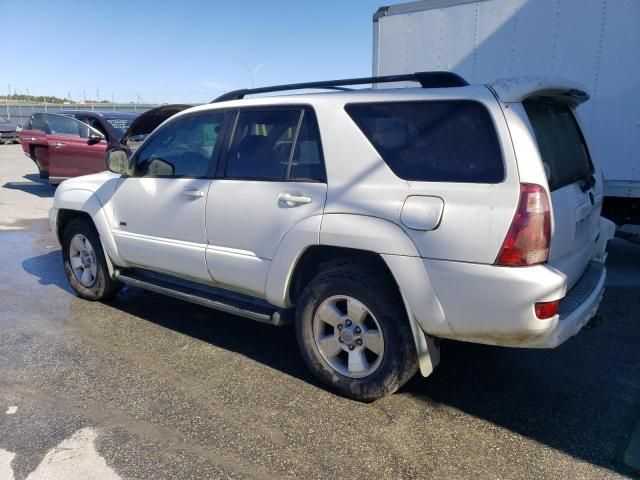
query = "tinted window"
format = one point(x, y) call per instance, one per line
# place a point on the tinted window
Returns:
point(119, 125)
point(435, 141)
point(261, 144)
point(183, 148)
point(560, 141)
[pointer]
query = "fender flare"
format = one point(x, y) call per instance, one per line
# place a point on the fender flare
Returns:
point(82, 200)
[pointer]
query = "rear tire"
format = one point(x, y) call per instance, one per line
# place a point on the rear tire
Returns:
point(354, 335)
point(84, 262)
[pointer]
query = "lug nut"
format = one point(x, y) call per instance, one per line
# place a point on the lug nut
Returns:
point(351, 347)
point(348, 322)
point(359, 341)
point(357, 330)
point(340, 340)
point(339, 326)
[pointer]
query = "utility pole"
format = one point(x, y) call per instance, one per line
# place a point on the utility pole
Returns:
point(84, 96)
point(7, 103)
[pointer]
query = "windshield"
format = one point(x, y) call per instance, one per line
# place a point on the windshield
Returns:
point(119, 125)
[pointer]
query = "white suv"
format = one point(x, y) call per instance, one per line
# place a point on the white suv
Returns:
point(379, 220)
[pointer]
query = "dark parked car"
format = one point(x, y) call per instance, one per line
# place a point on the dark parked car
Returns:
point(8, 131)
point(69, 144)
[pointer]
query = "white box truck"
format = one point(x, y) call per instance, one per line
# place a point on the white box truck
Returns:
point(596, 42)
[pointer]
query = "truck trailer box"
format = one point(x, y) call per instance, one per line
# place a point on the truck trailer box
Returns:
point(595, 42)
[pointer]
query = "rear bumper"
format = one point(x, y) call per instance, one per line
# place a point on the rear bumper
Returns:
point(577, 307)
point(8, 136)
point(495, 305)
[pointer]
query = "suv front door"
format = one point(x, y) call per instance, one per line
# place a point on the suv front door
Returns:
point(159, 213)
point(272, 178)
point(70, 152)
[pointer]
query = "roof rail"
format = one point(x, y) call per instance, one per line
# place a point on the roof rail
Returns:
point(426, 80)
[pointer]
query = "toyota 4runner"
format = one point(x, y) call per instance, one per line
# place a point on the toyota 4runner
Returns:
point(378, 220)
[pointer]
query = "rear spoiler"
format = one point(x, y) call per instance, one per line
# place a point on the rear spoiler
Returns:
point(515, 90)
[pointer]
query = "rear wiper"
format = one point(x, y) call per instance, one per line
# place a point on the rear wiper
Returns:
point(588, 183)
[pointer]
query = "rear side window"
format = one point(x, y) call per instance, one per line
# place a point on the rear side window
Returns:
point(562, 146)
point(433, 141)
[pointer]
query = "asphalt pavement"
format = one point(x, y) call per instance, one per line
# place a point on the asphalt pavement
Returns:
point(150, 387)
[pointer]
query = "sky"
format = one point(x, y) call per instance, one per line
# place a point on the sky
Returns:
point(179, 50)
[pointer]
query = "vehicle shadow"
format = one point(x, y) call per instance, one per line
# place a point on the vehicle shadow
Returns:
point(33, 185)
point(48, 269)
point(275, 347)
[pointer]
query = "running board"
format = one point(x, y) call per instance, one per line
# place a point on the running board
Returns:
point(200, 294)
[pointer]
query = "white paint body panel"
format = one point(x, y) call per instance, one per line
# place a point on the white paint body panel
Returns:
point(594, 43)
point(165, 230)
point(246, 222)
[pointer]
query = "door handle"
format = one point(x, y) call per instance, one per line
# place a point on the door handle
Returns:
point(58, 144)
point(293, 200)
point(193, 193)
point(31, 139)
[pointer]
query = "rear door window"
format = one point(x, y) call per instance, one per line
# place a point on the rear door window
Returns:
point(433, 141)
point(562, 146)
point(275, 144)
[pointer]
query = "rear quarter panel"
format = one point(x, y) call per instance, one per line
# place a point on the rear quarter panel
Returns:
point(476, 217)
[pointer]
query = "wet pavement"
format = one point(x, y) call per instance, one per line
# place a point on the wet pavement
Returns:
point(150, 387)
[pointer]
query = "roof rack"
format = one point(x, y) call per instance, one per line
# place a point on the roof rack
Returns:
point(426, 80)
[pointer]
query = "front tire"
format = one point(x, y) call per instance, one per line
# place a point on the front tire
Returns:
point(84, 263)
point(353, 333)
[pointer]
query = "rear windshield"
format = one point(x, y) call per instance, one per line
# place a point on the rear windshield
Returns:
point(433, 141)
point(560, 141)
point(120, 126)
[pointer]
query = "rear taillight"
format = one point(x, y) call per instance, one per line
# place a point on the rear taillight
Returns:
point(527, 242)
point(546, 310)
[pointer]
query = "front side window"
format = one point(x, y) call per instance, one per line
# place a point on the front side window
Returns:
point(183, 148)
point(275, 145)
point(63, 125)
point(433, 141)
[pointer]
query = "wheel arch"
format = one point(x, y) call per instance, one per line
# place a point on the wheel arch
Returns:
point(76, 203)
point(336, 239)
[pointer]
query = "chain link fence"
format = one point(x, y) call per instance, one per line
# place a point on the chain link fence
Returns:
point(19, 113)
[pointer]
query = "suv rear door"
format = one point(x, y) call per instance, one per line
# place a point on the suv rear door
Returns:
point(34, 136)
point(576, 189)
point(271, 178)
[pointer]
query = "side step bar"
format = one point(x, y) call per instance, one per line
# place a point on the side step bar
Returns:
point(211, 297)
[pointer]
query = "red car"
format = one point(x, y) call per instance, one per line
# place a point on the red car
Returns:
point(72, 143)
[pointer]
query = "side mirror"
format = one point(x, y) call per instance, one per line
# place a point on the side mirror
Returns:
point(94, 138)
point(117, 161)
